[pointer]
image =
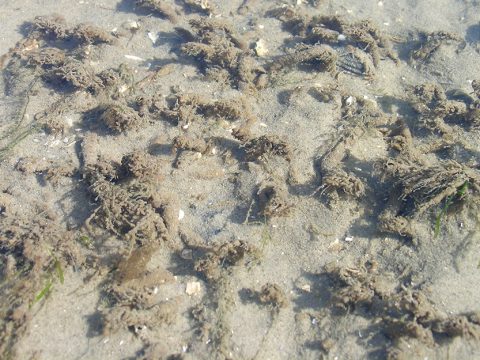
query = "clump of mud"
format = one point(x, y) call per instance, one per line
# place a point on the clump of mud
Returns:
point(319, 57)
point(257, 148)
point(160, 8)
point(120, 118)
point(273, 295)
point(337, 181)
point(142, 166)
point(273, 200)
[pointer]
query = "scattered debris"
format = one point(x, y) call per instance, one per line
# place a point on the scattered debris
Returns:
point(135, 217)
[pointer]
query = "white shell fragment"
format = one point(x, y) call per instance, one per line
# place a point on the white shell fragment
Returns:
point(306, 288)
point(335, 246)
point(261, 48)
point(133, 57)
point(153, 37)
point(131, 25)
point(181, 214)
point(123, 88)
point(68, 121)
point(204, 4)
point(187, 254)
point(193, 288)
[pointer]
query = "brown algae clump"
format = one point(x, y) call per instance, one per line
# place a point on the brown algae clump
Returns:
point(56, 28)
point(224, 256)
point(222, 53)
point(401, 313)
point(142, 166)
point(160, 8)
point(120, 118)
point(355, 45)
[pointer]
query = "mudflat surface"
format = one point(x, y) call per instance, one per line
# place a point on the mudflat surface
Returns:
point(202, 179)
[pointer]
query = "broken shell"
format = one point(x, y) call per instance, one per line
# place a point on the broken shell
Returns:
point(187, 254)
point(306, 288)
point(193, 288)
point(261, 48)
point(133, 57)
point(131, 25)
point(181, 214)
point(153, 37)
point(204, 4)
point(123, 88)
point(335, 246)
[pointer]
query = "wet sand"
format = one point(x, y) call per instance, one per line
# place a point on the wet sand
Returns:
point(239, 180)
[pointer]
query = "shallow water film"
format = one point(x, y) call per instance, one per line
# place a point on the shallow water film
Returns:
point(247, 179)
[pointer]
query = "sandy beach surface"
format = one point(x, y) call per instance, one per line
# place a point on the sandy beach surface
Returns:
point(247, 179)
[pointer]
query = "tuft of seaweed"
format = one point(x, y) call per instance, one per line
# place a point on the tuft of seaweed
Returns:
point(357, 47)
point(224, 256)
point(33, 254)
point(160, 8)
point(430, 42)
point(402, 313)
point(54, 27)
point(220, 50)
point(119, 117)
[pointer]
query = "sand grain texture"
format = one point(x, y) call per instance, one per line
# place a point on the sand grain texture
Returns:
point(170, 189)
